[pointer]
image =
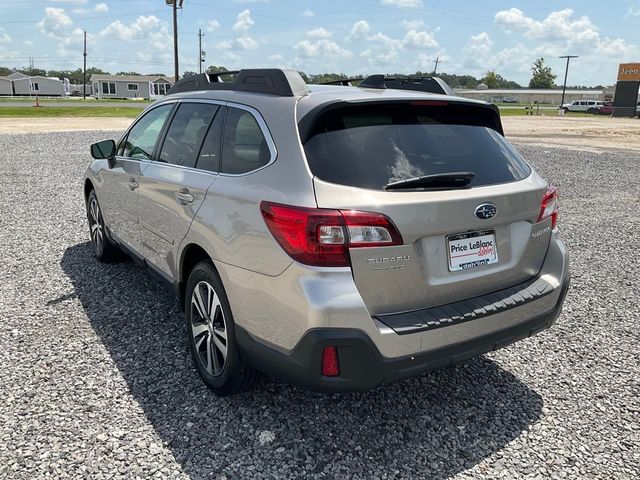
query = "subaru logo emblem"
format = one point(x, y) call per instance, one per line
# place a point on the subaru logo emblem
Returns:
point(485, 211)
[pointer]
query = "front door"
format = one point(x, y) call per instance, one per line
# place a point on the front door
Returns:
point(121, 182)
point(173, 187)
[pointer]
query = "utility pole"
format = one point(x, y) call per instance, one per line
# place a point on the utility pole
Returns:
point(566, 72)
point(435, 69)
point(200, 59)
point(174, 5)
point(84, 68)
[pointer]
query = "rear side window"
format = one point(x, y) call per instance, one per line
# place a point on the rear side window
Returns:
point(372, 146)
point(186, 133)
point(143, 136)
point(244, 147)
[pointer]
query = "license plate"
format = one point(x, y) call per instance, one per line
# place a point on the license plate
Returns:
point(472, 249)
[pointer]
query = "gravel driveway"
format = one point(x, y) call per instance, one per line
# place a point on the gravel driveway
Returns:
point(96, 380)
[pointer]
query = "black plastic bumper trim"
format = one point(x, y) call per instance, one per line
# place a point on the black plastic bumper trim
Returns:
point(463, 311)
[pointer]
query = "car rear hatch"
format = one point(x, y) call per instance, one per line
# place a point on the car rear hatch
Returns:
point(469, 224)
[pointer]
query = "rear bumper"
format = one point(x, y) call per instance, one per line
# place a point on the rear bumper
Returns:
point(362, 366)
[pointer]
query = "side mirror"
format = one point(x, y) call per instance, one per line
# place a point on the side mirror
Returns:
point(106, 149)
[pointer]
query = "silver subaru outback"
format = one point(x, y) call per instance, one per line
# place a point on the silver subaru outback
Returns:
point(337, 237)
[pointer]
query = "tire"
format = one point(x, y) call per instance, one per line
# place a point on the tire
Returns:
point(208, 315)
point(104, 250)
point(566, 110)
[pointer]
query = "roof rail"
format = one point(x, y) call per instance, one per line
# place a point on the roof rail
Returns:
point(272, 81)
point(346, 82)
point(420, 84)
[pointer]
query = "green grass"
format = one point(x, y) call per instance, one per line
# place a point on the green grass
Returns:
point(80, 111)
point(72, 100)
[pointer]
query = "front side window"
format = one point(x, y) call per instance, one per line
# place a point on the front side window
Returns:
point(209, 158)
point(186, 133)
point(244, 147)
point(142, 138)
point(36, 87)
point(132, 87)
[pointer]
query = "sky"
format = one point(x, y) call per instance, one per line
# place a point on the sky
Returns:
point(319, 36)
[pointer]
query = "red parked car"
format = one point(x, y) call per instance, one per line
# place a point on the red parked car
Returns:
point(605, 109)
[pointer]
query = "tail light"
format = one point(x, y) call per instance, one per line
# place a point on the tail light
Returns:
point(322, 237)
point(330, 365)
point(550, 205)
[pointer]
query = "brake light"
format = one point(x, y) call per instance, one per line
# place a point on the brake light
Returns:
point(550, 205)
point(322, 237)
point(429, 103)
point(330, 365)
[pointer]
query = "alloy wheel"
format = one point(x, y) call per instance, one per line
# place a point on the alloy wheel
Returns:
point(208, 328)
point(96, 224)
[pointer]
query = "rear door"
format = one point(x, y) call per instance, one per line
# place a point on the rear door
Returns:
point(173, 186)
point(119, 200)
point(458, 242)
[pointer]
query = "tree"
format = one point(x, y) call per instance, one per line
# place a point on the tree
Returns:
point(492, 79)
point(216, 69)
point(542, 76)
point(4, 71)
point(188, 73)
point(128, 73)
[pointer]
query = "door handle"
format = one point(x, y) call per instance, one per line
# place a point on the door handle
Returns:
point(183, 196)
point(132, 183)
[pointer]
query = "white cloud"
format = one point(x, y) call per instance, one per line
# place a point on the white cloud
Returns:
point(402, 3)
point(360, 29)
point(385, 40)
point(147, 27)
point(55, 22)
point(243, 22)
point(98, 8)
point(557, 25)
point(480, 44)
point(245, 43)
point(240, 43)
point(5, 38)
point(213, 25)
point(276, 57)
point(79, 2)
point(308, 13)
point(419, 39)
point(322, 47)
point(226, 45)
point(412, 24)
point(28, 43)
point(319, 33)
point(250, 1)
point(634, 11)
point(560, 32)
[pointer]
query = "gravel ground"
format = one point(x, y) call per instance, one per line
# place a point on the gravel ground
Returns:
point(97, 382)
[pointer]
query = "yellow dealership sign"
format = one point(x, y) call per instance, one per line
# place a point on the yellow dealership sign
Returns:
point(629, 72)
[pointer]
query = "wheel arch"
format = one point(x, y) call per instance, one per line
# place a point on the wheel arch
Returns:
point(191, 255)
point(88, 186)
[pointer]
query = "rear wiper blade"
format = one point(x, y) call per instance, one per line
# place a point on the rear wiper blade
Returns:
point(437, 181)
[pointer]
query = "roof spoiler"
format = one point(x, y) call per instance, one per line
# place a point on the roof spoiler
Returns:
point(420, 84)
point(271, 81)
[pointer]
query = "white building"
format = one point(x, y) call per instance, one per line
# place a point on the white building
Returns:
point(130, 86)
point(42, 86)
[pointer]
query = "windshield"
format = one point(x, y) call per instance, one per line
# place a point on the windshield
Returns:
point(372, 146)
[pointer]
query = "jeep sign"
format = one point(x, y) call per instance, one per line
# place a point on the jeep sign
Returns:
point(629, 72)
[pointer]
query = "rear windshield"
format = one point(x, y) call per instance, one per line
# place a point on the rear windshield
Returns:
point(372, 146)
